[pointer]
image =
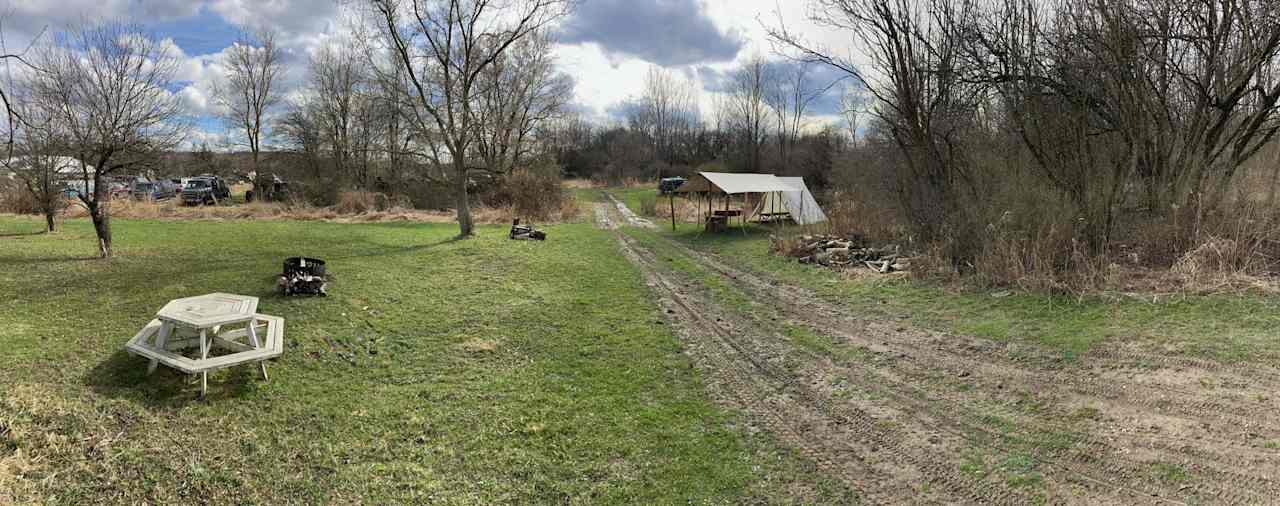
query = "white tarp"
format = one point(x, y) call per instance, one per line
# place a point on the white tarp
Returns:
point(733, 184)
point(796, 200)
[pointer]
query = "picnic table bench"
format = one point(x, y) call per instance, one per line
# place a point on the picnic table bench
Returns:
point(221, 320)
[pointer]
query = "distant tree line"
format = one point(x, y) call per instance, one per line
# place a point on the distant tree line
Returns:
point(760, 122)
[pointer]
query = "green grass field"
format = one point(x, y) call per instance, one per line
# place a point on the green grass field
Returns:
point(457, 372)
point(1225, 327)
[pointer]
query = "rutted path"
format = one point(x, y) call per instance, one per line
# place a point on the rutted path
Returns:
point(630, 216)
point(909, 416)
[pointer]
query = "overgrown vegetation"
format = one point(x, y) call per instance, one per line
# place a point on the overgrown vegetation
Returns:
point(1236, 325)
point(1036, 145)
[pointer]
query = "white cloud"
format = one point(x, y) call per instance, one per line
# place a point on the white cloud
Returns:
point(604, 75)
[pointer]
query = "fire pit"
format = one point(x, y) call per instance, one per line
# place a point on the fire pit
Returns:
point(303, 276)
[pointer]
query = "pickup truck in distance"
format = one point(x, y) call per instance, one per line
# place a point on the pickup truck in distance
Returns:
point(205, 190)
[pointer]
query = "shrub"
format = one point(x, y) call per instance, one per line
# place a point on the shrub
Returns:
point(534, 194)
point(355, 202)
point(16, 199)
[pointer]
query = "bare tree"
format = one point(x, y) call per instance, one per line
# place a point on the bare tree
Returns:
point(668, 110)
point(1172, 98)
point(252, 72)
point(749, 106)
point(335, 102)
point(519, 92)
point(915, 49)
point(444, 46)
point(107, 88)
point(790, 97)
point(37, 160)
point(32, 145)
point(853, 104)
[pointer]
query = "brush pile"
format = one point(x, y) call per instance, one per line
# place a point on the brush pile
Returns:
point(838, 252)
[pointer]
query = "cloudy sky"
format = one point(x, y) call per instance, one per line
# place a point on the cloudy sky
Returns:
point(607, 45)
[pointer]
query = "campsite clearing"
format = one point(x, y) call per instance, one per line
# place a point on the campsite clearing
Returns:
point(459, 372)
point(615, 364)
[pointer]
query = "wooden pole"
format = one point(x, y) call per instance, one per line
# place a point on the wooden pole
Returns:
point(672, 198)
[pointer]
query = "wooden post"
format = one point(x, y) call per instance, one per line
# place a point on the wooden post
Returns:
point(672, 198)
point(204, 354)
point(161, 336)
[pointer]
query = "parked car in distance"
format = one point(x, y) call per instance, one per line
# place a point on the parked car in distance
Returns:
point(154, 190)
point(117, 190)
point(670, 184)
point(205, 190)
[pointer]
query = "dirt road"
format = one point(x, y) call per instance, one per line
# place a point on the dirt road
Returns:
point(908, 416)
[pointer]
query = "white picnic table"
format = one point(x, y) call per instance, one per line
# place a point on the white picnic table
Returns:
point(223, 320)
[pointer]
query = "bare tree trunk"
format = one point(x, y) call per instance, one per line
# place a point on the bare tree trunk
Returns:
point(253, 182)
point(465, 226)
point(98, 211)
point(48, 220)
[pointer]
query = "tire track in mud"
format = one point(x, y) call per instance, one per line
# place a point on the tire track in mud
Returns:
point(836, 437)
point(756, 375)
point(925, 462)
point(632, 218)
point(995, 368)
point(1226, 486)
point(960, 358)
point(913, 411)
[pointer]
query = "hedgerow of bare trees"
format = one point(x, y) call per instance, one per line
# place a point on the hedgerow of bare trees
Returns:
point(1122, 111)
point(253, 68)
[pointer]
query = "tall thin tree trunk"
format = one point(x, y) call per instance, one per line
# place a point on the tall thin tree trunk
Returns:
point(253, 182)
point(101, 223)
point(465, 227)
point(99, 212)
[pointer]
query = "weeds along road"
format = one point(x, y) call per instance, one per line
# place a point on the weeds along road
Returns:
point(904, 415)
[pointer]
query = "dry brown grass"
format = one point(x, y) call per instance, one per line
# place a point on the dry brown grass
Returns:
point(635, 182)
point(477, 345)
point(688, 210)
point(849, 213)
point(581, 184)
point(354, 207)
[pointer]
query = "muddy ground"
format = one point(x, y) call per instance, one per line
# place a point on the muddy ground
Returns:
point(908, 416)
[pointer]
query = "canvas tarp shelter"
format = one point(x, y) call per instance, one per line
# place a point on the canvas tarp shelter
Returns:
point(798, 201)
point(780, 194)
point(733, 184)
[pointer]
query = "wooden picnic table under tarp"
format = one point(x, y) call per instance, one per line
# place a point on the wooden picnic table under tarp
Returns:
point(726, 185)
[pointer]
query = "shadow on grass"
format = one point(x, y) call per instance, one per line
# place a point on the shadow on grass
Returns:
point(124, 376)
point(20, 235)
point(44, 260)
point(400, 250)
point(194, 272)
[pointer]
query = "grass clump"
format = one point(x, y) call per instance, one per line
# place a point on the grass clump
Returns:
point(1169, 473)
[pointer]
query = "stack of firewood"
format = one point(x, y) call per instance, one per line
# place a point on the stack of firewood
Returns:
point(832, 251)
